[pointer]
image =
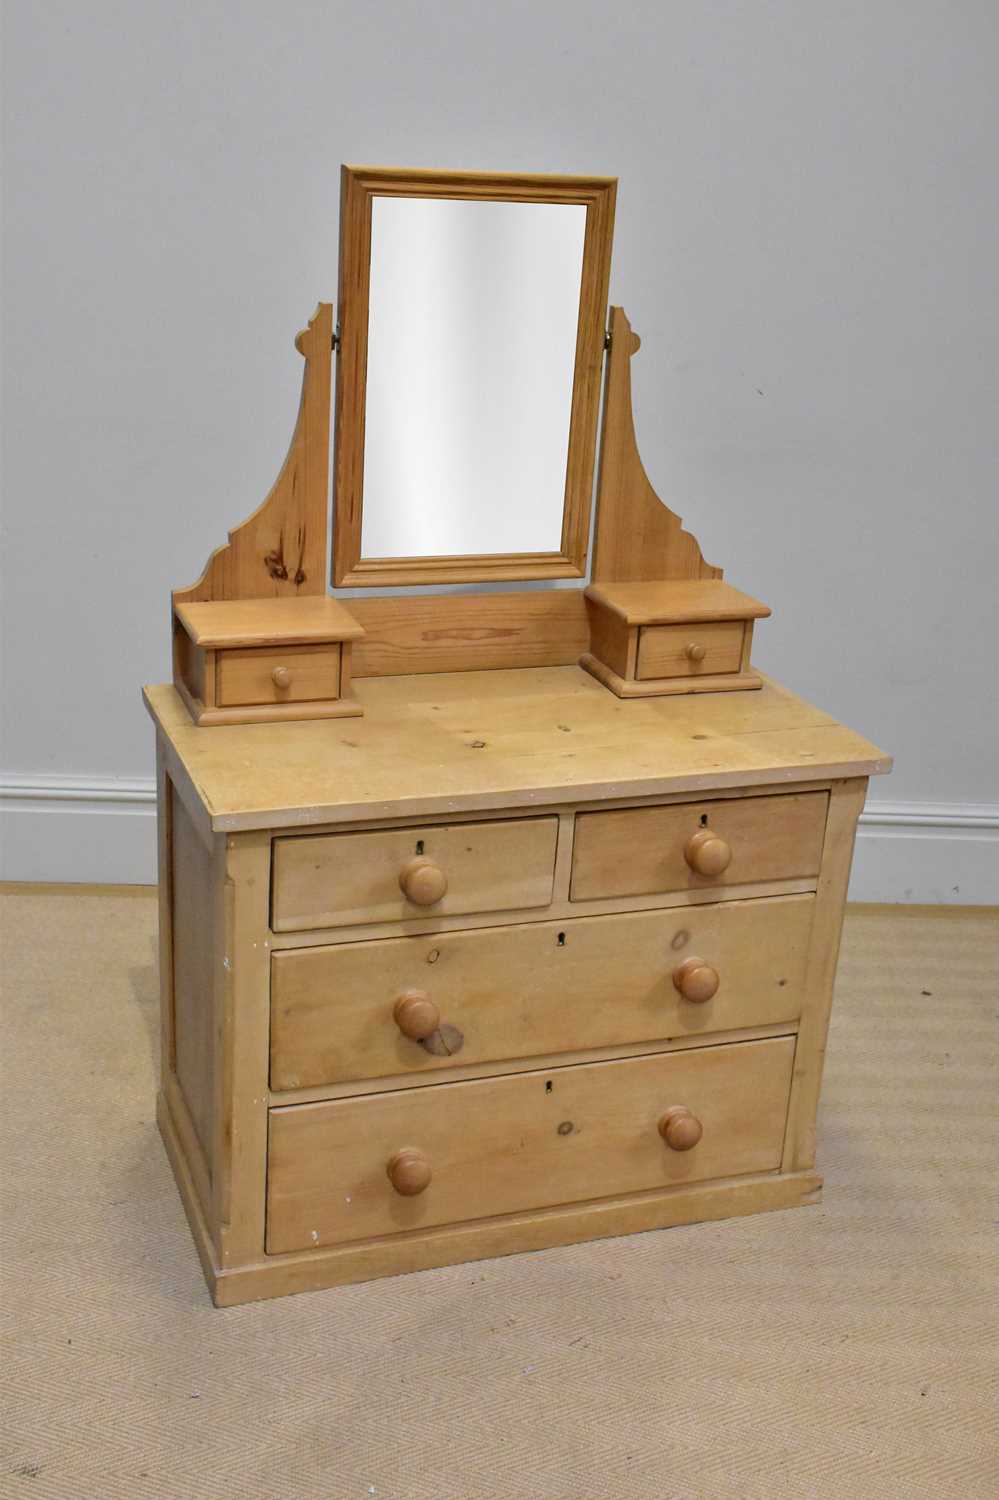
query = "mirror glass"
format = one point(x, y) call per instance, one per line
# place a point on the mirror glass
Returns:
point(473, 312)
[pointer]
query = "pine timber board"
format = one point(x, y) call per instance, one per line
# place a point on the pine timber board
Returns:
point(474, 741)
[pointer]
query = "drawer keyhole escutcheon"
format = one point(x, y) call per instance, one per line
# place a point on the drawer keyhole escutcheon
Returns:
point(281, 678)
point(409, 1171)
point(707, 853)
point(416, 1015)
point(422, 882)
point(696, 980)
point(680, 1128)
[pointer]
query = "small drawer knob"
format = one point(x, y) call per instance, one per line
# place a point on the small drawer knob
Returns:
point(281, 677)
point(680, 1129)
point(423, 882)
point(409, 1171)
point(694, 651)
point(416, 1015)
point(707, 853)
point(696, 980)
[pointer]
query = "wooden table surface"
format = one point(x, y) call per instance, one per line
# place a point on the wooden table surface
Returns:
point(465, 741)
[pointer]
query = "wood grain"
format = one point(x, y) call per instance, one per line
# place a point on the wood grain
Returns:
point(243, 968)
point(498, 740)
point(346, 877)
point(268, 622)
point(663, 649)
point(504, 1145)
point(846, 801)
point(674, 601)
point(280, 550)
point(642, 849)
point(637, 537)
point(533, 988)
point(464, 633)
point(246, 674)
point(612, 640)
point(539, 1229)
point(358, 186)
point(632, 689)
point(193, 1028)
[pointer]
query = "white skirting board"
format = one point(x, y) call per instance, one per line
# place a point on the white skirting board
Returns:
point(103, 830)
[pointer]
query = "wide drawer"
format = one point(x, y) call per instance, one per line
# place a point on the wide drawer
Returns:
point(689, 650)
point(266, 674)
point(336, 879)
point(697, 845)
point(505, 993)
point(521, 1142)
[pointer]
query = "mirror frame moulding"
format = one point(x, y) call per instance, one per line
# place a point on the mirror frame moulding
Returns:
point(358, 186)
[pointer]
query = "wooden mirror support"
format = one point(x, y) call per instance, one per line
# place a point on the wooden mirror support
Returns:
point(661, 618)
point(257, 638)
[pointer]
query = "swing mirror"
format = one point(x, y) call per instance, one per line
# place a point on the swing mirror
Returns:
point(471, 314)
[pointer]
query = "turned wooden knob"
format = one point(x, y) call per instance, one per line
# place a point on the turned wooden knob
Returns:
point(281, 677)
point(409, 1171)
point(696, 980)
point(707, 853)
point(416, 1015)
point(423, 882)
point(680, 1129)
point(694, 652)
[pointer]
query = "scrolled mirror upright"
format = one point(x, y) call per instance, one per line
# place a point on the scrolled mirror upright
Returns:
point(472, 327)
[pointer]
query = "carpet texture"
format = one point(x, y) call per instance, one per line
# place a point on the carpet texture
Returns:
point(847, 1350)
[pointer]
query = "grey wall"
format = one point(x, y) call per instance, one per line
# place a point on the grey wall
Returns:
point(807, 241)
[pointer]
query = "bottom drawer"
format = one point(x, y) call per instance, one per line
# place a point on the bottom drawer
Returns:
point(533, 1140)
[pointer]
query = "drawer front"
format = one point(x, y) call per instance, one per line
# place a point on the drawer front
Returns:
point(336, 879)
point(269, 674)
point(644, 850)
point(689, 650)
point(521, 1142)
point(505, 993)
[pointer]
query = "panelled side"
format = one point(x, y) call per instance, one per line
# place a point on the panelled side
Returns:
point(192, 963)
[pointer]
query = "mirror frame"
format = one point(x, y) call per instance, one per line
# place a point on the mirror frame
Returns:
point(358, 186)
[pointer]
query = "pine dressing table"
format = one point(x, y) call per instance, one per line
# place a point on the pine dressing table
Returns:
point(489, 921)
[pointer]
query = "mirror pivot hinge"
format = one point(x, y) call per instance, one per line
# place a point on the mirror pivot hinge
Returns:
point(607, 339)
point(335, 341)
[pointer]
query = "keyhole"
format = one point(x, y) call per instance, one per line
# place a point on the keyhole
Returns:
point(419, 843)
point(561, 940)
point(548, 1087)
point(704, 822)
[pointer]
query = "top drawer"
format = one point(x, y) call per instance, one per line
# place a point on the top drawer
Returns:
point(337, 879)
point(697, 845)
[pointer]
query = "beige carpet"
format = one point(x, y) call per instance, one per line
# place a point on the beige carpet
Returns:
point(847, 1350)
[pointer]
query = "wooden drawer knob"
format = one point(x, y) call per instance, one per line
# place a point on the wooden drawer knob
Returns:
point(694, 651)
point(409, 1171)
point(707, 853)
point(680, 1129)
point(423, 882)
point(281, 677)
point(416, 1015)
point(696, 980)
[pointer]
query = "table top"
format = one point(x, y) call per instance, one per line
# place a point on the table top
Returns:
point(465, 741)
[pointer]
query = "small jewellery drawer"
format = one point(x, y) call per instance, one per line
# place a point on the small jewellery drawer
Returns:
point(337, 879)
point(351, 1169)
point(689, 650)
point(422, 1004)
point(697, 845)
point(270, 674)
